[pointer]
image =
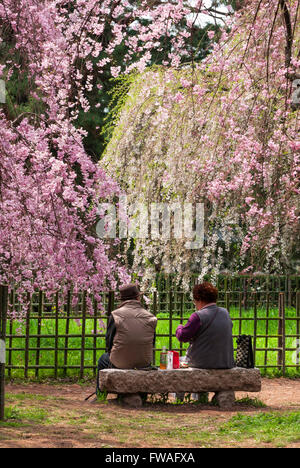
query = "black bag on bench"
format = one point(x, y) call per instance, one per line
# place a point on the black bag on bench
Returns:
point(244, 353)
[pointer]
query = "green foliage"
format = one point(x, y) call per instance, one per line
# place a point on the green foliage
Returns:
point(21, 94)
point(11, 412)
point(14, 413)
point(102, 396)
point(118, 96)
point(100, 121)
point(252, 402)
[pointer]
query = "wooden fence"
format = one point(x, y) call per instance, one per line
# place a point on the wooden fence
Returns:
point(49, 343)
point(242, 283)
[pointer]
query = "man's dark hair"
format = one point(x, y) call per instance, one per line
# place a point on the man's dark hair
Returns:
point(205, 292)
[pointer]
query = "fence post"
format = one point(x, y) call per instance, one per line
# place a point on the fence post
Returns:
point(181, 317)
point(170, 319)
point(154, 313)
point(10, 331)
point(69, 306)
point(267, 328)
point(95, 310)
point(245, 292)
point(281, 333)
point(255, 326)
point(27, 334)
point(39, 331)
point(227, 300)
point(84, 296)
point(298, 325)
point(240, 312)
point(3, 318)
point(56, 341)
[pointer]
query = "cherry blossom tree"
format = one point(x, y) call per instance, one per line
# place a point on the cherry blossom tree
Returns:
point(224, 132)
point(49, 186)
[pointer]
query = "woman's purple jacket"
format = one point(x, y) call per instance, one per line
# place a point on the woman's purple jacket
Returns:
point(213, 347)
point(186, 333)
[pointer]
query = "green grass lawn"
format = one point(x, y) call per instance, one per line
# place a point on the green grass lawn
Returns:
point(47, 356)
point(273, 428)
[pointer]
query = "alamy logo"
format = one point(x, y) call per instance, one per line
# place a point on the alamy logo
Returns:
point(2, 92)
point(296, 354)
point(2, 352)
point(296, 92)
point(157, 221)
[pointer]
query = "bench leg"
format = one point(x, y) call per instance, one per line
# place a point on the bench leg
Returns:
point(180, 396)
point(202, 397)
point(224, 399)
point(133, 400)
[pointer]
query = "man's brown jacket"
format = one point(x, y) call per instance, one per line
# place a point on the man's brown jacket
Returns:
point(132, 345)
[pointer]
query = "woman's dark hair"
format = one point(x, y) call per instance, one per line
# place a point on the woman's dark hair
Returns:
point(205, 292)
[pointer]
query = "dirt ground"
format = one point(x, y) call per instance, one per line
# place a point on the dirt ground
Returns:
point(73, 422)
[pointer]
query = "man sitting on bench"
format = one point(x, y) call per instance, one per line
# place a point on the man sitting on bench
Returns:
point(130, 333)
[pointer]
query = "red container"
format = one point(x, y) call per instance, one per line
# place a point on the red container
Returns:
point(176, 363)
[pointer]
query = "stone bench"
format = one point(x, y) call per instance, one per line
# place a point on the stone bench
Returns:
point(129, 384)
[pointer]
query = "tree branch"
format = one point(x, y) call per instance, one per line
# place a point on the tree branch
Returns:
point(289, 32)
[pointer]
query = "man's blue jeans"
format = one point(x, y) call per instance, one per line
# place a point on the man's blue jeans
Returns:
point(103, 363)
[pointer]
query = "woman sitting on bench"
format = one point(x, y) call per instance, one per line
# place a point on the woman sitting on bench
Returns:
point(209, 331)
